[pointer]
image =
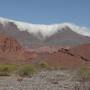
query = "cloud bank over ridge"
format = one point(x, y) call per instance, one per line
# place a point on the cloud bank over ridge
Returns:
point(46, 30)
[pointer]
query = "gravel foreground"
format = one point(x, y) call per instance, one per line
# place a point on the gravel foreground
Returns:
point(45, 80)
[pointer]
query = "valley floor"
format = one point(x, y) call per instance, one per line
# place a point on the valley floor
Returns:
point(45, 80)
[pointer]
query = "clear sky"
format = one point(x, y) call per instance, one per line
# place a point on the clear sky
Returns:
point(47, 11)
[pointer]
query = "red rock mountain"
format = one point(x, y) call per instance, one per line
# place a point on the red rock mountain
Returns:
point(12, 52)
point(82, 51)
point(9, 45)
point(74, 58)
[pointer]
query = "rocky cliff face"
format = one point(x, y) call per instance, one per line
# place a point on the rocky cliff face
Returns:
point(9, 45)
point(12, 52)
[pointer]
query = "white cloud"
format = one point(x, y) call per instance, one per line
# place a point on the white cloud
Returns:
point(46, 30)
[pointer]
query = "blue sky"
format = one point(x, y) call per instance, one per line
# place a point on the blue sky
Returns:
point(47, 11)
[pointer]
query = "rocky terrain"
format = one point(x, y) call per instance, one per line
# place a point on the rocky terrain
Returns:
point(82, 51)
point(12, 52)
point(75, 57)
point(45, 80)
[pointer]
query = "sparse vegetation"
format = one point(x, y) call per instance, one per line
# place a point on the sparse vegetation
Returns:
point(6, 70)
point(44, 65)
point(27, 70)
point(22, 70)
point(84, 73)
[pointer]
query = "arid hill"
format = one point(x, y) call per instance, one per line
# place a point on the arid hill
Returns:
point(73, 58)
point(82, 51)
point(12, 52)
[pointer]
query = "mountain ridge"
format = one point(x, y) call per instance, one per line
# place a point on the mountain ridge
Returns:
point(46, 30)
point(36, 35)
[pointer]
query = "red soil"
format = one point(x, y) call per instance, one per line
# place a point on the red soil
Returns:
point(73, 58)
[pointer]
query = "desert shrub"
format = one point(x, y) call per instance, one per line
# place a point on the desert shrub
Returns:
point(43, 65)
point(27, 70)
point(6, 70)
point(84, 73)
